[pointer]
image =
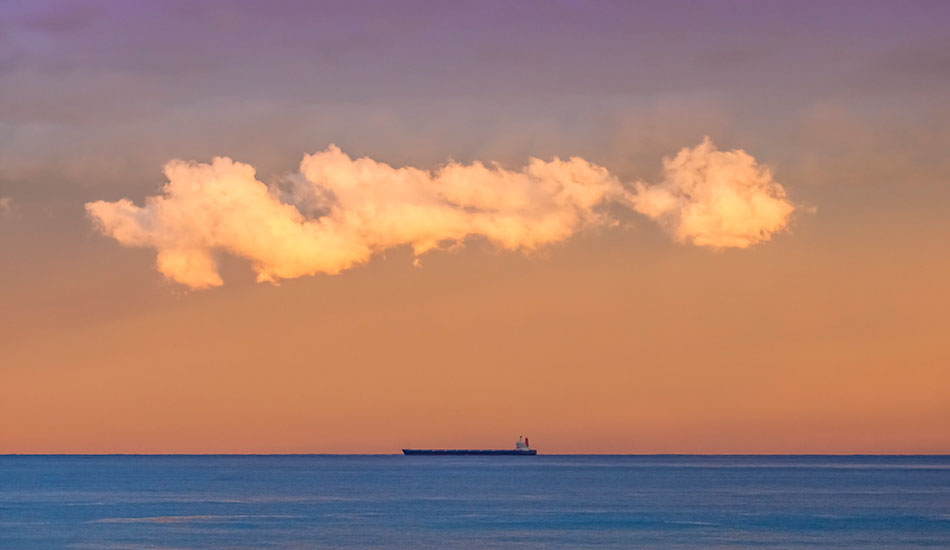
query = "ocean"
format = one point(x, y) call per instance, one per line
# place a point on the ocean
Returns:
point(548, 501)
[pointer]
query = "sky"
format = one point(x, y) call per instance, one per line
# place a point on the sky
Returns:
point(615, 227)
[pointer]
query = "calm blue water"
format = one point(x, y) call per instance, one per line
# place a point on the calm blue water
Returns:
point(554, 502)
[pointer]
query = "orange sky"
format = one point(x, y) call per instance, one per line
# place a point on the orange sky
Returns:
point(807, 344)
point(618, 329)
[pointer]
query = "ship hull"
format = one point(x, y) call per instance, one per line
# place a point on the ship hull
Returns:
point(469, 452)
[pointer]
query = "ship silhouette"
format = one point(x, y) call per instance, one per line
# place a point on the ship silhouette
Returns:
point(521, 448)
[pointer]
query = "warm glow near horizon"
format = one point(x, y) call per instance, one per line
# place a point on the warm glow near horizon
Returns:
point(579, 230)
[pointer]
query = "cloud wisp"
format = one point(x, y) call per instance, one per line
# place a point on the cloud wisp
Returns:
point(337, 211)
point(6, 206)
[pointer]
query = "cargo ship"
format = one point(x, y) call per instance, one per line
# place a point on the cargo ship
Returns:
point(522, 447)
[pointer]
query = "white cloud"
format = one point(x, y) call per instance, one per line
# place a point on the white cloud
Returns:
point(359, 207)
point(339, 211)
point(715, 198)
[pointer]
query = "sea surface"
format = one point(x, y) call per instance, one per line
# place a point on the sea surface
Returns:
point(554, 502)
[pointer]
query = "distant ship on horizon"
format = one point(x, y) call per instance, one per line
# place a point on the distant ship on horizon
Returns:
point(522, 447)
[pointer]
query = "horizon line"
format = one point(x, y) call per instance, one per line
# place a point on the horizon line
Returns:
point(802, 455)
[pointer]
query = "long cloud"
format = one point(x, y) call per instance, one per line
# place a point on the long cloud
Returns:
point(339, 211)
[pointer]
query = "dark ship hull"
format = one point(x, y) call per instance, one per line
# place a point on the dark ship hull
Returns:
point(477, 452)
